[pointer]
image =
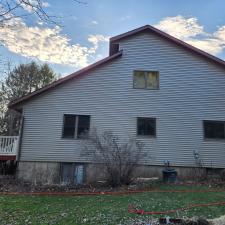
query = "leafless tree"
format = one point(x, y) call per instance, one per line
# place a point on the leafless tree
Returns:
point(118, 159)
point(11, 9)
point(199, 171)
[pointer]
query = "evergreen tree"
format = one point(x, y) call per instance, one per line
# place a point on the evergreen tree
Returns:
point(21, 81)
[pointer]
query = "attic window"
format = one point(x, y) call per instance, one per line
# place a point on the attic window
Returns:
point(75, 126)
point(146, 79)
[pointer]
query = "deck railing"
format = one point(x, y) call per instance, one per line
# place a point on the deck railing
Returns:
point(9, 145)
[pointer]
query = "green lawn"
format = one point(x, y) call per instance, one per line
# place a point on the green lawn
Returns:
point(101, 209)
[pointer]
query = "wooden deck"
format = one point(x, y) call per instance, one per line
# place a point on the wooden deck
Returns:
point(9, 147)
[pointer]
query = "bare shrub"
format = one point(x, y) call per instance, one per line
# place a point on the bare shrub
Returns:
point(222, 175)
point(199, 171)
point(118, 159)
point(8, 167)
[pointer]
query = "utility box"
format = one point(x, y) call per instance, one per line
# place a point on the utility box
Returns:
point(169, 175)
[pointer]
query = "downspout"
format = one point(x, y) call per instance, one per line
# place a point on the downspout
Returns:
point(20, 138)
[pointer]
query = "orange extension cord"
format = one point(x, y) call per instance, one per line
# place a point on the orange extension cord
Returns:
point(142, 212)
point(130, 208)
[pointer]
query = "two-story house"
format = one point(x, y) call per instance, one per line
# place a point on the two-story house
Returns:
point(152, 86)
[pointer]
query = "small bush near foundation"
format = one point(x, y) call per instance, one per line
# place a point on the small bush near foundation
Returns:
point(118, 159)
point(8, 167)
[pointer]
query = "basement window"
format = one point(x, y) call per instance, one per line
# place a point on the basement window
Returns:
point(72, 173)
point(146, 79)
point(75, 126)
point(146, 126)
point(214, 129)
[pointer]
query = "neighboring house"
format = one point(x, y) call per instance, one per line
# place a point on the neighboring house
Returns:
point(152, 86)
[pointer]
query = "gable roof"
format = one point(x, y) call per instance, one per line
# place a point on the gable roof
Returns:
point(148, 28)
point(15, 103)
point(114, 53)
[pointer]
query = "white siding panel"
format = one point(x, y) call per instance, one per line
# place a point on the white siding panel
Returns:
point(191, 90)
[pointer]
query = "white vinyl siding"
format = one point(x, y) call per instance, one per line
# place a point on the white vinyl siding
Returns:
point(191, 90)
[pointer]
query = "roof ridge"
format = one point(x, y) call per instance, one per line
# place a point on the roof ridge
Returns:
point(170, 38)
point(116, 54)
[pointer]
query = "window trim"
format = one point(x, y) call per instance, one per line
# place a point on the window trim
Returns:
point(213, 139)
point(61, 172)
point(146, 136)
point(147, 71)
point(63, 125)
point(75, 126)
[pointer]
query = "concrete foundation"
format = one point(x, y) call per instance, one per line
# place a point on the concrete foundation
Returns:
point(49, 172)
point(39, 172)
point(156, 171)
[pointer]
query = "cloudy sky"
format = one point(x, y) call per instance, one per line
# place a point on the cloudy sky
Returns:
point(85, 29)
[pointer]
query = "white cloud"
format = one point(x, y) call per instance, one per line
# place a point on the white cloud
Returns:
point(123, 18)
point(40, 22)
point(47, 44)
point(210, 45)
point(96, 39)
point(29, 8)
point(45, 4)
point(94, 22)
point(220, 34)
point(190, 31)
point(180, 27)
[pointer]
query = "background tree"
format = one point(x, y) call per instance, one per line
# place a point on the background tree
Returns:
point(20, 81)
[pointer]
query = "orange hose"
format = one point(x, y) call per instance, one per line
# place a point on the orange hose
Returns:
point(130, 209)
point(142, 212)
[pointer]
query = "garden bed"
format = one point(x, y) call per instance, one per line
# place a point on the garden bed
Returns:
point(11, 184)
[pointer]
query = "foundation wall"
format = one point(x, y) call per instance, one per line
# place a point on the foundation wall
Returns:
point(39, 172)
point(49, 172)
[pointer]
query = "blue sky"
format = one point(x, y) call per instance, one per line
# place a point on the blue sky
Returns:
point(83, 37)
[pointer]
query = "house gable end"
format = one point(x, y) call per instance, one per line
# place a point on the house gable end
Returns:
point(113, 46)
point(114, 51)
